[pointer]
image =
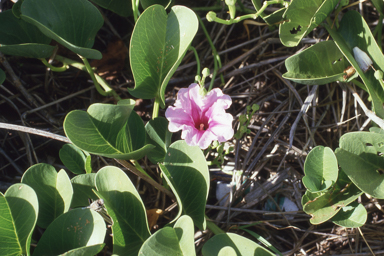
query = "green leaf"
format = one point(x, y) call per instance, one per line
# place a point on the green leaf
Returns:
point(73, 158)
point(159, 43)
point(18, 210)
point(74, 229)
point(86, 250)
point(353, 215)
point(190, 178)
point(301, 17)
point(2, 76)
point(53, 189)
point(146, 3)
point(159, 136)
point(124, 205)
point(108, 130)
point(72, 23)
point(320, 169)
point(163, 242)
point(19, 38)
point(83, 185)
point(185, 233)
point(359, 157)
point(242, 246)
point(275, 17)
point(178, 240)
point(323, 206)
point(354, 31)
point(121, 7)
point(321, 63)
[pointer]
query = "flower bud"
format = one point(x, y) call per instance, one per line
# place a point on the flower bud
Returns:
point(211, 16)
point(362, 59)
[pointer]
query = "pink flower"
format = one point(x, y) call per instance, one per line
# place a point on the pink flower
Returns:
point(202, 119)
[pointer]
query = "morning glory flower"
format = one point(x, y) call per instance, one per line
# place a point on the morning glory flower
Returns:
point(202, 119)
point(362, 59)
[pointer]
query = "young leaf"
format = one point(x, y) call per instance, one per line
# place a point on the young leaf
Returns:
point(158, 44)
point(75, 229)
point(353, 215)
point(124, 205)
point(323, 206)
point(73, 158)
point(72, 23)
point(108, 130)
point(159, 136)
point(321, 63)
point(320, 169)
point(53, 189)
point(301, 17)
point(189, 176)
point(18, 210)
point(19, 38)
point(359, 157)
point(83, 185)
point(242, 246)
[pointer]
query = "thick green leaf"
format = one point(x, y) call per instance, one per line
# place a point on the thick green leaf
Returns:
point(190, 178)
point(146, 3)
point(358, 157)
point(82, 189)
point(320, 169)
point(121, 7)
point(163, 242)
point(113, 131)
point(242, 246)
point(178, 240)
point(18, 37)
point(84, 251)
point(275, 17)
point(124, 205)
point(325, 206)
point(18, 210)
point(2, 76)
point(321, 63)
point(74, 229)
point(354, 31)
point(53, 189)
point(72, 23)
point(159, 43)
point(353, 215)
point(301, 17)
point(8, 234)
point(168, 178)
point(73, 158)
point(159, 136)
point(185, 233)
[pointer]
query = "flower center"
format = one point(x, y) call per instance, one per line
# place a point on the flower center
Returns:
point(201, 125)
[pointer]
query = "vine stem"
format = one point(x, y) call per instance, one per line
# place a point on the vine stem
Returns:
point(156, 107)
point(216, 57)
point(247, 16)
point(101, 85)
